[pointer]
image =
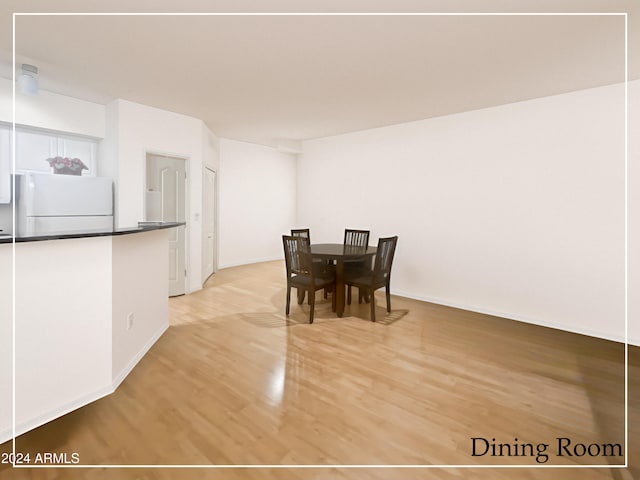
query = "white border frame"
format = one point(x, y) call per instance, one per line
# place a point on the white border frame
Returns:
point(225, 466)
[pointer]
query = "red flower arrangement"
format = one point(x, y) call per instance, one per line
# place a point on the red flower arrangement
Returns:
point(66, 165)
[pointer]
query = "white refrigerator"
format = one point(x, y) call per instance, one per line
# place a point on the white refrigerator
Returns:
point(49, 204)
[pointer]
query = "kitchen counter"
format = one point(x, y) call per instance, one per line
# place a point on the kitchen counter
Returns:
point(77, 313)
point(142, 227)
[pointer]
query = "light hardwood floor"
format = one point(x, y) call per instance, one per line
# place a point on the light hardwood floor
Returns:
point(235, 382)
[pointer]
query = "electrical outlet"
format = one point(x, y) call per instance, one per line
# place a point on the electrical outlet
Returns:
point(130, 321)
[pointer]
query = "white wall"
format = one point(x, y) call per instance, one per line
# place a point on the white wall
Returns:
point(210, 148)
point(63, 327)
point(72, 301)
point(516, 210)
point(108, 146)
point(142, 129)
point(257, 196)
point(52, 111)
point(140, 287)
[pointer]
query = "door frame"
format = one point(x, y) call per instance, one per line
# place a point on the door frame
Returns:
point(187, 196)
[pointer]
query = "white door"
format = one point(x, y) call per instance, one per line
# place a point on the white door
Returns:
point(208, 222)
point(166, 190)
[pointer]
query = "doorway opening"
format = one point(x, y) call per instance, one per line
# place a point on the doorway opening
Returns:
point(165, 201)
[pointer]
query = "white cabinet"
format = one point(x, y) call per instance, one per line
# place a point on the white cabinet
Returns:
point(85, 150)
point(5, 165)
point(33, 149)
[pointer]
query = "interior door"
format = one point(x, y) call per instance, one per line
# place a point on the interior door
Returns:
point(166, 193)
point(208, 222)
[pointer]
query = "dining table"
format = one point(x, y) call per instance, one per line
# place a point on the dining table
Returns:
point(340, 253)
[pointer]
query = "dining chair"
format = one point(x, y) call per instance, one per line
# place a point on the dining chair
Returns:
point(318, 263)
point(302, 275)
point(377, 277)
point(301, 232)
point(357, 238)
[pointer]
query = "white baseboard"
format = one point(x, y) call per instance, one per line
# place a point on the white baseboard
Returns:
point(54, 413)
point(606, 335)
point(249, 262)
point(23, 427)
point(567, 328)
point(117, 380)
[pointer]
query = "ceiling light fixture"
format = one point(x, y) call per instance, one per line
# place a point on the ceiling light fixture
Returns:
point(28, 79)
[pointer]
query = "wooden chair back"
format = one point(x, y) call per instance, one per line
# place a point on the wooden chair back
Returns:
point(301, 232)
point(297, 255)
point(356, 238)
point(384, 257)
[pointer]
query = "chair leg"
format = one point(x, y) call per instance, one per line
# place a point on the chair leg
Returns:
point(388, 299)
point(325, 293)
point(348, 294)
point(333, 301)
point(373, 307)
point(288, 300)
point(312, 304)
point(301, 296)
point(363, 295)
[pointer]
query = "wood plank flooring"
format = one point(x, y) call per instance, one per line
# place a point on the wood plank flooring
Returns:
point(235, 382)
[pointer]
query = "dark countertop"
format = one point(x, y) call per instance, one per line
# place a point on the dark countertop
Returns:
point(142, 227)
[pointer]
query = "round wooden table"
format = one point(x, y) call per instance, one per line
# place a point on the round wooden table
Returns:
point(340, 253)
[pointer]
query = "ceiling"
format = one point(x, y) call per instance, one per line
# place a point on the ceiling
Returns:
point(272, 78)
